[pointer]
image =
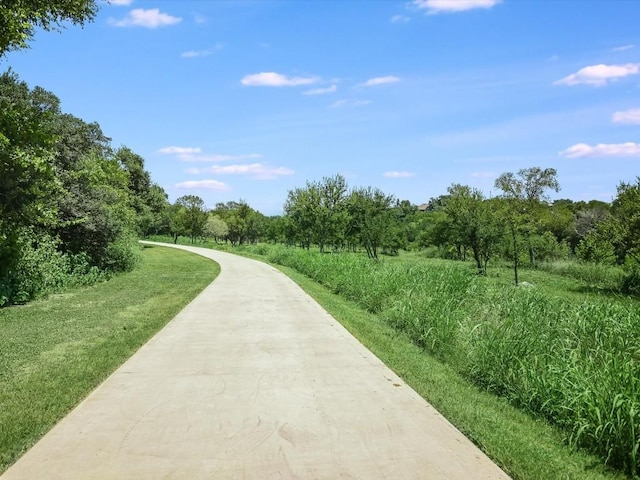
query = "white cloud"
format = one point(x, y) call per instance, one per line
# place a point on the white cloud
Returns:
point(202, 185)
point(194, 154)
point(321, 91)
point(581, 150)
point(272, 79)
point(599, 75)
point(399, 174)
point(199, 18)
point(119, 2)
point(349, 103)
point(400, 19)
point(202, 53)
point(139, 17)
point(214, 158)
point(622, 48)
point(372, 82)
point(179, 150)
point(483, 174)
point(627, 116)
point(257, 170)
point(439, 6)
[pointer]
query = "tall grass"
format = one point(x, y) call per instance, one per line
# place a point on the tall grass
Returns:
point(594, 275)
point(574, 363)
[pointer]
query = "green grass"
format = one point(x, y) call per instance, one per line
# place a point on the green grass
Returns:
point(525, 447)
point(566, 358)
point(54, 351)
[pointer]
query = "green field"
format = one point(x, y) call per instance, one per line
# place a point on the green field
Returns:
point(54, 351)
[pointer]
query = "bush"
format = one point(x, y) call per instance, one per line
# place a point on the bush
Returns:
point(631, 279)
point(39, 268)
point(122, 255)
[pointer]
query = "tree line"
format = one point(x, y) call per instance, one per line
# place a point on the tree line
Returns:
point(71, 206)
point(521, 225)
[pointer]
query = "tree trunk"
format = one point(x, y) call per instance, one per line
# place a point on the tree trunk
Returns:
point(515, 255)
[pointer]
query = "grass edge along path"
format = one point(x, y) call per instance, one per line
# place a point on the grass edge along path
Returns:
point(55, 351)
point(524, 447)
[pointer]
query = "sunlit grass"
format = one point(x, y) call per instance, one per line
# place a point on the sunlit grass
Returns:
point(53, 352)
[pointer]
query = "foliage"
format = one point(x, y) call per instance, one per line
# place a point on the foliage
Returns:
point(473, 223)
point(67, 203)
point(191, 216)
point(370, 220)
point(216, 228)
point(19, 19)
point(243, 223)
point(523, 194)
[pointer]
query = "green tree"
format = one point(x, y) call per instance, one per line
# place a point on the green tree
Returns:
point(523, 194)
point(371, 220)
point(193, 217)
point(318, 212)
point(473, 222)
point(216, 228)
point(19, 19)
point(29, 187)
point(299, 209)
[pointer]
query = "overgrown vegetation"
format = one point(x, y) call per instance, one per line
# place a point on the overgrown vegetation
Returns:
point(574, 362)
point(56, 350)
point(71, 207)
point(525, 447)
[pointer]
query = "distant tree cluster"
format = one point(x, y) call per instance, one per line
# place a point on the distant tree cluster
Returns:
point(521, 225)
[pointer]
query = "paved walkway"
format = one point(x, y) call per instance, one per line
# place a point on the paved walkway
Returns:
point(253, 380)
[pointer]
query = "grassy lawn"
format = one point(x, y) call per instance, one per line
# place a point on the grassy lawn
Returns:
point(54, 351)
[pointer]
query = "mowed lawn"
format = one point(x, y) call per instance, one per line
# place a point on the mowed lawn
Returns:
point(54, 351)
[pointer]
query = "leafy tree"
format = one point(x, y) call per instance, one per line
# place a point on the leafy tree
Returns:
point(176, 221)
point(244, 223)
point(523, 193)
point(216, 228)
point(371, 219)
point(29, 187)
point(28, 182)
point(193, 216)
point(299, 208)
point(596, 248)
point(473, 223)
point(625, 221)
point(20, 18)
point(275, 229)
point(97, 210)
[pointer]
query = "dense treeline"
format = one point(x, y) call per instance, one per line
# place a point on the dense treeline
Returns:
point(521, 226)
point(71, 207)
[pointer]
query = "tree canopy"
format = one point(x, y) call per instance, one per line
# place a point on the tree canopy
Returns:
point(20, 18)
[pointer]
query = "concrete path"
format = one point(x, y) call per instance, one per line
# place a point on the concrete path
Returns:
point(253, 380)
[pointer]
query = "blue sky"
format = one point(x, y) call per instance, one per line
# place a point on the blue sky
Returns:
point(249, 99)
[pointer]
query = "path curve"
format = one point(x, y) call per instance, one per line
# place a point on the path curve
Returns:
point(253, 380)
